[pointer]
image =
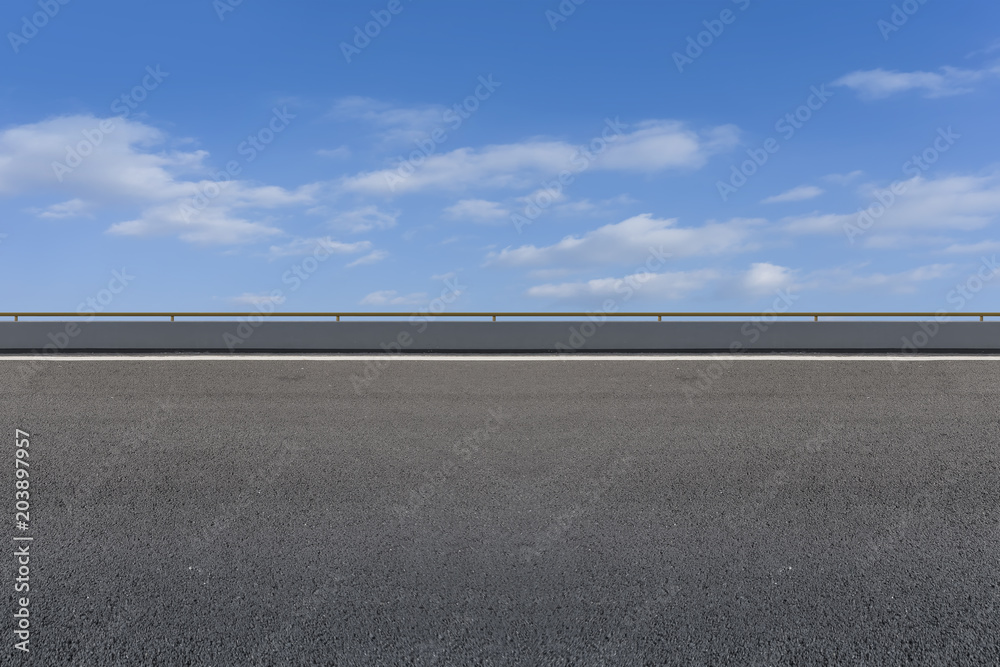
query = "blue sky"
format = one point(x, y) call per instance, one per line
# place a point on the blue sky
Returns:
point(518, 155)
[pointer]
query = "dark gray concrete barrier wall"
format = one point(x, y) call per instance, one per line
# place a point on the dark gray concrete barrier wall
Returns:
point(545, 336)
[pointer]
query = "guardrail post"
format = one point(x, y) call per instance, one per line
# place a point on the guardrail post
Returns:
point(171, 318)
point(494, 318)
point(815, 318)
point(980, 318)
point(338, 318)
point(659, 318)
point(15, 318)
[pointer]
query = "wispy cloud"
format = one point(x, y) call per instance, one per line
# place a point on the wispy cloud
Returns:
point(310, 246)
point(129, 169)
point(979, 247)
point(846, 279)
point(800, 193)
point(668, 285)
point(879, 83)
point(760, 280)
point(364, 219)
point(371, 258)
point(477, 210)
point(341, 153)
point(74, 208)
point(631, 241)
point(946, 203)
point(654, 146)
point(990, 48)
point(844, 179)
point(394, 124)
point(250, 299)
point(394, 298)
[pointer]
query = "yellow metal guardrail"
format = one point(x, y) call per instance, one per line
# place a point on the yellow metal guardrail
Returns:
point(495, 315)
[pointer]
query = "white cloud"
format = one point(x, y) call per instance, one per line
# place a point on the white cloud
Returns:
point(396, 125)
point(902, 282)
point(668, 285)
point(340, 153)
point(765, 278)
point(123, 165)
point(514, 165)
point(316, 246)
point(364, 219)
point(760, 279)
point(477, 210)
point(74, 208)
point(800, 193)
point(220, 220)
point(946, 203)
point(990, 48)
point(550, 274)
point(844, 179)
point(393, 298)
point(981, 247)
point(214, 225)
point(604, 207)
point(632, 241)
point(880, 83)
point(664, 144)
point(371, 258)
point(819, 223)
point(250, 299)
point(543, 197)
point(905, 240)
point(654, 146)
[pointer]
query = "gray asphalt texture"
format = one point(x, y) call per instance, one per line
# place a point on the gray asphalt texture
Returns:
point(509, 513)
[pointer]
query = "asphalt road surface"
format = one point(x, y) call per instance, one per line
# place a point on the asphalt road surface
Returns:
point(519, 512)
